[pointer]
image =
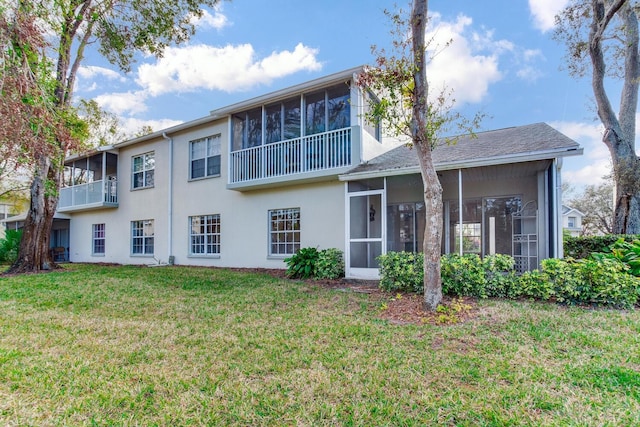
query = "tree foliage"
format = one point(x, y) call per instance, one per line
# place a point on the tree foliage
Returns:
point(602, 39)
point(43, 45)
point(596, 203)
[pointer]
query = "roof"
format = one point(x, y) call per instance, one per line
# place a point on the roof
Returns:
point(532, 142)
point(566, 210)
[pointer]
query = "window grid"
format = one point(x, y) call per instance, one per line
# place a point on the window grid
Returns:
point(143, 170)
point(98, 239)
point(142, 235)
point(205, 157)
point(204, 235)
point(284, 234)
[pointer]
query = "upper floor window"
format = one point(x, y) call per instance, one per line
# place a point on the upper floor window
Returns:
point(372, 127)
point(205, 157)
point(572, 222)
point(143, 170)
point(307, 114)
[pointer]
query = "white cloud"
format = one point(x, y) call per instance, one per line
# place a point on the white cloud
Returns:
point(544, 11)
point(526, 63)
point(230, 68)
point(131, 125)
point(216, 20)
point(594, 163)
point(121, 103)
point(91, 71)
point(461, 66)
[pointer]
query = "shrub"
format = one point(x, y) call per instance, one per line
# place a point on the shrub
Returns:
point(9, 246)
point(330, 264)
point(302, 264)
point(500, 275)
point(402, 271)
point(583, 247)
point(626, 252)
point(463, 275)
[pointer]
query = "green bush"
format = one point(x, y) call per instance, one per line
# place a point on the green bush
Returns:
point(501, 277)
point(585, 281)
point(9, 246)
point(330, 264)
point(402, 271)
point(463, 275)
point(302, 264)
point(626, 252)
point(583, 247)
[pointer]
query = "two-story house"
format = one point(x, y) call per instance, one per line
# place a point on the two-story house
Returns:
point(251, 183)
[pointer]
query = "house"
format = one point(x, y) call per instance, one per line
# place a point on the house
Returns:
point(572, 220)
point(251, 183)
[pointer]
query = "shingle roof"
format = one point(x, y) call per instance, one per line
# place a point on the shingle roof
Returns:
point(491, 147)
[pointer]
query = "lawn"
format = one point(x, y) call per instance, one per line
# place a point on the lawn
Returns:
point(104, 345)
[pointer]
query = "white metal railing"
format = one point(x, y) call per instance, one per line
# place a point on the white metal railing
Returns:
point(317, 152)
point(89, 193)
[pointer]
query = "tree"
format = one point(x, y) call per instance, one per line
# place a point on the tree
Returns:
point(119, 29)
point(407, 110)
point(596, 203)
point(601, 37)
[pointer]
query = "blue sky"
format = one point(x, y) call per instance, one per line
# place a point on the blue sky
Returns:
point(503, 62)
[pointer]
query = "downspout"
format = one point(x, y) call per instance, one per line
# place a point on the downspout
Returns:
point(460, 233)
point(170, 259)
point(558, 213)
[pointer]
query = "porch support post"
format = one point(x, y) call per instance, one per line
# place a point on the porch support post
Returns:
point(460, 234)
point(104, 176)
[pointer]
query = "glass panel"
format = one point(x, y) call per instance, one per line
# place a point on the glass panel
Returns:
point(254, 128)
point(95, 168)
point(364, 254)
point(292, 118)
point(198, 149)
point(273, 124)
point(338, 107)
point(366, 217)
point(197, 168)
point(401, 228)
point(366, 185)
point(238, 132)
point(148, 179)
point(213, 166)
point(471, 227)
point(497, 224)
point(372, 128)
point(315, 113)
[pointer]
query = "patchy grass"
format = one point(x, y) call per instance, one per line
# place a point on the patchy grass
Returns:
point(100, 345)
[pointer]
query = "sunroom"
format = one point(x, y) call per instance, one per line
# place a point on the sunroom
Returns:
point(307, 133)
point(89, 182)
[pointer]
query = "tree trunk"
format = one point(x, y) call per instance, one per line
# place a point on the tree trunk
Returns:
point(431, 246)
point(626, 218)
point(34, 254)
point(422, 142)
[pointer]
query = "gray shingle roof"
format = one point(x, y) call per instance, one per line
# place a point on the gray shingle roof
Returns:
point(491, 147)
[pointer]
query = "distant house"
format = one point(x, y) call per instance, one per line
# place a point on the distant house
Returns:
point(250, 184)
point(572, 220)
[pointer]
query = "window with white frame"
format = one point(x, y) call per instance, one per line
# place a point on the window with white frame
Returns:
point(572, 222)
point(143, 170)
point(205, 157)
point(98, 237)
point(142, 237)
point(284, 231)
point(204, 235)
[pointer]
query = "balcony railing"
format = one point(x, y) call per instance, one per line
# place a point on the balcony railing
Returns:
point(323, 151)
point(101, 193)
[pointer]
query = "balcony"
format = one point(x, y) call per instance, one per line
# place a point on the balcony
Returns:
point(309, 157)
point(91, 195)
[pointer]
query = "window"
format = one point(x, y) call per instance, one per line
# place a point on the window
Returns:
point(572, 222)
point(142, 237)
point(204, 235)
point(205, 157)
point(284, 231)
point(98, 239)
point(143, 168)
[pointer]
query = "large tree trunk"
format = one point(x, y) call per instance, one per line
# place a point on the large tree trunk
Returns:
point(422, 141)
point(34, 254)
point(620, 130)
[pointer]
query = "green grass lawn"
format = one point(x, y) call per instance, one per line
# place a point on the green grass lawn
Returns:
point(99, 345)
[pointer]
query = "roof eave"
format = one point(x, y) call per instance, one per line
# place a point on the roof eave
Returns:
point(283, 93)
point(488, 161)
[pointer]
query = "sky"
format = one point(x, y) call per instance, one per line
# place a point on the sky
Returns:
point(502, 62)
